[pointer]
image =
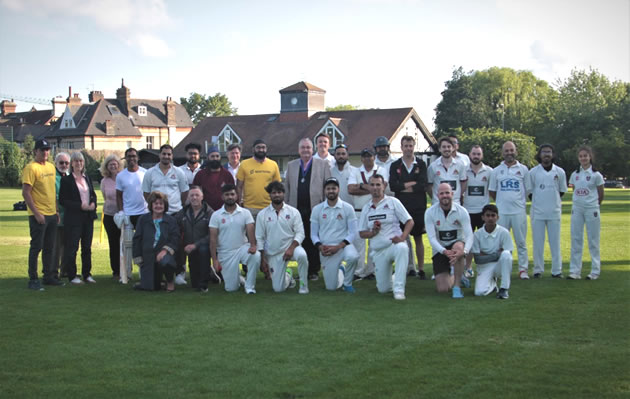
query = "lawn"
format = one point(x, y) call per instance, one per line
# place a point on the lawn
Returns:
point(552, 338)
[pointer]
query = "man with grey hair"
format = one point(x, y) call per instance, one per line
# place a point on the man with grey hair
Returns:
point(62, 165)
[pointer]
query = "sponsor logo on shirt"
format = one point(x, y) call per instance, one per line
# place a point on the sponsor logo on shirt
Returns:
point(510, 185)
point(372, 218)
point(582, 192)
point(448, 235)
point(476, 191)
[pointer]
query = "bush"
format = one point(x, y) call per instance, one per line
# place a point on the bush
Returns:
point(12, 161)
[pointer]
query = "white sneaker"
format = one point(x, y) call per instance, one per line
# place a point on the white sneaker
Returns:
point(341, 275)
point(399, 296)
point(433, 277)
point(90, 280)
point(592, 276)
point(76, 281)
point(252, 291)
point(180, 279)
point(573, 276)
point(241, 280)
point(303, 289)
point(523, 275)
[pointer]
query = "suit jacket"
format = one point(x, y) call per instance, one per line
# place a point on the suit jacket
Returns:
point(320, 171)
point(70, 199)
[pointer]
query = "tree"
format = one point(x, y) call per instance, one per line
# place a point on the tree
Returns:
point(28, 146)
point(491, 142)
point(343, 107)
point(12, 161)
point(200, 106)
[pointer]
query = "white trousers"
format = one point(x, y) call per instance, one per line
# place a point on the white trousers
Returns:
point(538, 239)
point(412, 256)
point(518, 224)
point(591, 218)
point(383, 259)
point(488, 273)
point(230, 262)
point(331, 264)
point(278, 268)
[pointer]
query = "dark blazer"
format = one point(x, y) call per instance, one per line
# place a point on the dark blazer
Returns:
point(195, 229)
point(320, 171)
point(70, 199)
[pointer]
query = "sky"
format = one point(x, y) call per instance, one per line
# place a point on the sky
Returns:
point(367, 53)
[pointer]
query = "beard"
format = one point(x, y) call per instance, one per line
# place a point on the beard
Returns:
point(64, 170)
point(383, 153)
point(214, 164)
point(260, 154)
point(229, 202)
point(332, 196)
point(475, 161)
point(277, 200)
point(341, 161)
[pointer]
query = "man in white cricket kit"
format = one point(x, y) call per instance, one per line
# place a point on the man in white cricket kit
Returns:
point(446, 170)
point(232, 242)
point(380, 222)
point(458, 156)
point(548, 184)
point(492, 249)
point(509, 187)
point(333, 229)
point(279, 232)
point(451, 238)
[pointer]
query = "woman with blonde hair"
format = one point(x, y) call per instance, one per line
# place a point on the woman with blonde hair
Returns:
point(109, 169)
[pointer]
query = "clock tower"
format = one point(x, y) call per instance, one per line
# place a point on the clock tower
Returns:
point(300, 101)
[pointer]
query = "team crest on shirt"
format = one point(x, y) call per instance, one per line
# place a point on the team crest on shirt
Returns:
point(386, 206)
point(588, 178)
point(577, 178)
point(456, 223)
point(269, 219)
point(251, 172)
point(484, 178)
point(437, 173)
point(437, 223)
point(502, 172)
point(555, 177)
point(518, 173)
point(223, 220)
point(173, 177)
point(288, 217)
point(339, 216)
point(324, 216)
point(456, 172)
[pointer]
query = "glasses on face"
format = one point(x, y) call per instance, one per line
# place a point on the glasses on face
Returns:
point(63, 162)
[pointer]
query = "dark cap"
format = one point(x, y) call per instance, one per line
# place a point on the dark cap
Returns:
point(331, 180)
point(367, 151)
point(259, 141)
point(380, 141)
point(212, 149)
point(42, 145)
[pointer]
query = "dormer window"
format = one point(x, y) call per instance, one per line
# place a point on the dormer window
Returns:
point(142, 110)
point(227, 137)
point(335, 135)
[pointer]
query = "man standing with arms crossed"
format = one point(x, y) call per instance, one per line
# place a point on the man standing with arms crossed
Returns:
point(548, 184)
point(233, 242)
point(38, 190)
point(508, 187)
point(380, 222)
point(451, 238)
point(333, 229)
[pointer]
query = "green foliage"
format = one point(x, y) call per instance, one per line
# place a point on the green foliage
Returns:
point(12, 161)
point(343, 107)
point(491, 142)
point(29, 147)
point(200, 106)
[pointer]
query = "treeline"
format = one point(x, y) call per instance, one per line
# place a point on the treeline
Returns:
point(498, 103)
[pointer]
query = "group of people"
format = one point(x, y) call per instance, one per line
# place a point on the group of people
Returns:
point(221, 219)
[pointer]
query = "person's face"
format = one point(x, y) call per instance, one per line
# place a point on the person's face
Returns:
point(166, 156)
point(63, 164)
point(585, 158)
point(446, 149)
point(132, 159)
point(158, 207)
point(234, 156)
point(408, 147)
point(476, 155)
point(77, 165)
point(382, 150)
point(341, 156)
point(305, 149)
point(195, 196)
point(193, 156)
point(509, 152)
point(112, 167)
point(455, 144)
point(445, 195)
point(229, 197)
point(332, 192)
point(490, 219)
point(277, 197)
point(377, 187)
point(260, 151)
point(214, 156)
point(42, 154)
point(546, 155)
point(367, 160)
point(323, 144)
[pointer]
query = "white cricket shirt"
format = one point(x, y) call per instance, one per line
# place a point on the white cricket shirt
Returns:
point(444, 230)
point(390, 212)
point(173, 184)
point(332, 225)
point(585, 183)
point(276, 231)
point(546, 188)
point(232, 228)
point(361, 175)
point(511, 187)
point(490, 243)
point(344, 177)
point(476, 194)
point(437, 173)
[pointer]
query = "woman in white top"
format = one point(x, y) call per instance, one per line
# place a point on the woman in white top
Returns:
point(588, 194)
point(109, 169)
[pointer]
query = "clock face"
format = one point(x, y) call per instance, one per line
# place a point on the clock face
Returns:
point(293, 100)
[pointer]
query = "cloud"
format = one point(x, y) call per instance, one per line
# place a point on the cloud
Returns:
point(137, 19)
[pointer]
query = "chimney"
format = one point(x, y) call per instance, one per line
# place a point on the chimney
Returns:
point(109, 128)
point(59, 105)
point(123, 96)
point(7, 107)
point(171, 120)
point(94, 96)
point(73, 99)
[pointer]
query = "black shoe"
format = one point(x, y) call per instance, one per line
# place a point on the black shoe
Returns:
point(369, 277)
point(54, 281)
point(412, 273)
point(214, 276)
point(313, 277)
point(503, 294)
point(35, 285)
point(559, 275)
point(537, 275)
point(357, 277)
point(422, 275)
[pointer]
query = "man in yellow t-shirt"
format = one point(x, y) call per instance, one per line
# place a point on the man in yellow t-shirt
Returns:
point(38, 190)
point(253, 176)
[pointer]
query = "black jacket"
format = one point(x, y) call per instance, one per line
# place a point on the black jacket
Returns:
point(398, 176)
point(194, 229)
point(70, 199)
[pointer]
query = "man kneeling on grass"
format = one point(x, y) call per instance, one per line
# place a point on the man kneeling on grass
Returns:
point(451, 238)
point(492, 249)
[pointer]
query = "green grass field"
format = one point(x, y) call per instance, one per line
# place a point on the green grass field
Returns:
point(551, 339)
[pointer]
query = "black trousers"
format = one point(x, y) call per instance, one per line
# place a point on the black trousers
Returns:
point(314, 264)
point(43, 237)
point(82, 233)
point(58, 254)
point(113, 237)
point(199, 267)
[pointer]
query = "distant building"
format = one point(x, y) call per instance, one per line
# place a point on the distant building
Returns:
point(303, 114)
point(15, 126)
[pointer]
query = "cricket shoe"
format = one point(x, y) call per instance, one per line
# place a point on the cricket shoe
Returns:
point(341, 275)
point(399, 296)
point(180, 279)
point(503, 294)
point(523, 275)
point(592, 276)
point(457, 292)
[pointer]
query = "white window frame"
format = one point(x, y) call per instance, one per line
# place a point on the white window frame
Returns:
point(226, 137)
point(142, 110)
point(334, 134)
point(150, 140)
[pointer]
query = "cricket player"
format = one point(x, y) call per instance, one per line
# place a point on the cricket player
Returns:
point(279, 233)
point(492, 249)
point(548, 184)
point(232, 242)
point(451, 238)
point(333, 229)
point(380, 223)
point(508, 187)
point(446, 170)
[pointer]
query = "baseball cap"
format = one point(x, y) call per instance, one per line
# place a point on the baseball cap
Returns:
point(42, 145)
point(331, 180)
point(367, 151)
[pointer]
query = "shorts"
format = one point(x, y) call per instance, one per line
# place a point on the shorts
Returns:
point(475, 221)
point(441, 263)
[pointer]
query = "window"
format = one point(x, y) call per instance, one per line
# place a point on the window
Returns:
point(142, 110)
point(227, 137)
point(113, 110)
point(335, 135)
point(149, 145)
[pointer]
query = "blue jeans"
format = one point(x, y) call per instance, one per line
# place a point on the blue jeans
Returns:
point(43, 237)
